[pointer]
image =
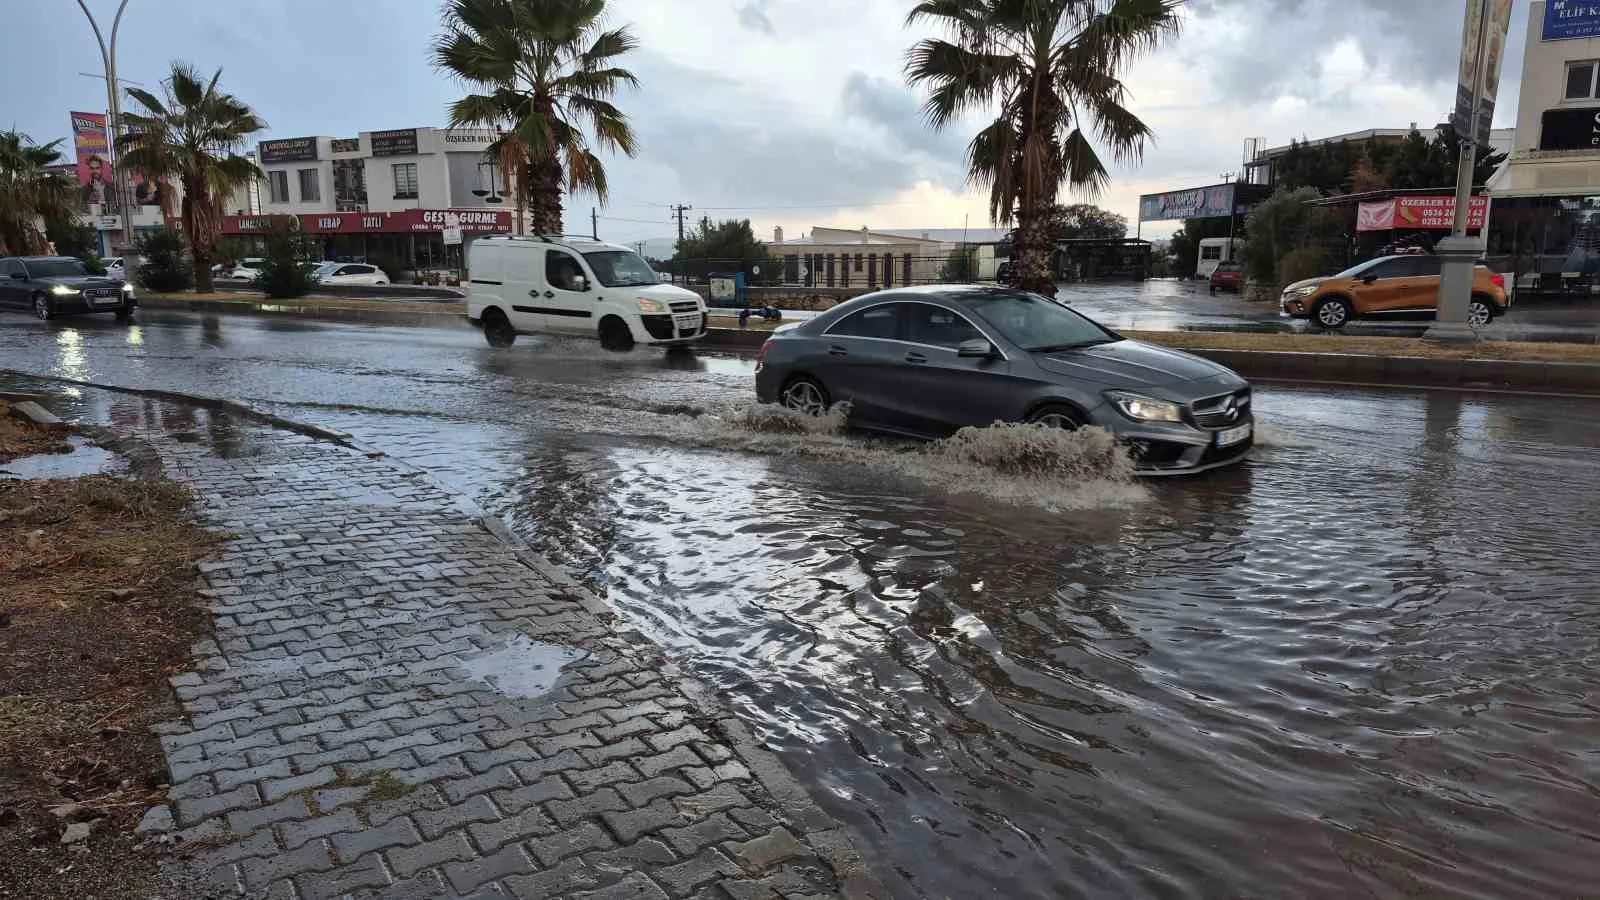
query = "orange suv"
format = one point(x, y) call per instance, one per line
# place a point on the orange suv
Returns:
point(1389, 285)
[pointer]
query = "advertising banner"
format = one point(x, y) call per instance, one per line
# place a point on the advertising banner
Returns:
point(1200, 203)
point(289, 150)
point(1483, 50)
point(345, 145)
point(95, 179)
point(1566, 20)
point(400, 142)
point(1419, 214)
point(1570, 129)
point(466, 221)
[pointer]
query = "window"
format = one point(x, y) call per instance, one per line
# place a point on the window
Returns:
point(1036, 324)
point(928, 324)
point(310, 188)
point(858, 262)
point(621, 268)
point(1212, 252)
point(278, 184)
point(561, 270)
point(1580, 80)
point(881, 321)
point(352, 270)
point(9, 267)
point(405, 181)
point(56, 268)
point(1422, 266)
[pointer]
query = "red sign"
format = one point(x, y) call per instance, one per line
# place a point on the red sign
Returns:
point(470, 221)
point(1419, 214)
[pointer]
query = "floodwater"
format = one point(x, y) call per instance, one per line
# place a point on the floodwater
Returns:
point(1365, 663)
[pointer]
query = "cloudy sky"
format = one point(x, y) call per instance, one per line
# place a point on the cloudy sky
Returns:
point(786, 112)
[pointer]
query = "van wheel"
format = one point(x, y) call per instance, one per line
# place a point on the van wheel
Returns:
point(41, 307)
point(1480, 311)
point(497, 329)
point(1333, 312)
point(614, 334)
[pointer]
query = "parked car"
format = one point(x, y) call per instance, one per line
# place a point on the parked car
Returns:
point(247, 270)
point(925, 361)
point(335, 273)
point(520, 284)
point(53, 286)
point(1228, 276)
point(115, 267)
point(1389, 286)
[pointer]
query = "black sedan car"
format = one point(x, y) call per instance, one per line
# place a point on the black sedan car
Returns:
point(927, 361)
point(53, 286)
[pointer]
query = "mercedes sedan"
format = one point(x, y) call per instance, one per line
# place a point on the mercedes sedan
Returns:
point(927, 361)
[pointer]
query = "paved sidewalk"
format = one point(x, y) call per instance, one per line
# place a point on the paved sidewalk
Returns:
point(396, 704)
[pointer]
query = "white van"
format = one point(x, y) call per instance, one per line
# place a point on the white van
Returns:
point(575, 286)
point(1213, 252)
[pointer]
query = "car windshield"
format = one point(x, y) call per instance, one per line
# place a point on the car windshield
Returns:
point(620, 268)
point(1037, 324)
point(56, 268)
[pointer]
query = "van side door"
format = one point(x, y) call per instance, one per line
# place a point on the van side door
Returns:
point(522, 285)
point(567, 300)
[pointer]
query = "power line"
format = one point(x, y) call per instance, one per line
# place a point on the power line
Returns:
point(637, 221)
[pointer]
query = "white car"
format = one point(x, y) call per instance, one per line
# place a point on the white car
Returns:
point(334, 273)
point(521, 284)
point(245, 270)
point(114, 267)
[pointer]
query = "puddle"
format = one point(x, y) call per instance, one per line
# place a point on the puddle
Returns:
point(522, 668)
point(85, 459)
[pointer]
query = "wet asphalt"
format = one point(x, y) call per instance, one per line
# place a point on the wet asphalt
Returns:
point(1364, 663)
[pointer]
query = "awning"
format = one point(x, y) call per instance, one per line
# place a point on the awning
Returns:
point(1549, 174)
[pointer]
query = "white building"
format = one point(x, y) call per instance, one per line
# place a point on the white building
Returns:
point(841, 257)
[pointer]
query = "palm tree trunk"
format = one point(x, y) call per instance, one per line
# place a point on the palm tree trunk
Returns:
point(1034, 246)
point(546, 199)
point(194, 231)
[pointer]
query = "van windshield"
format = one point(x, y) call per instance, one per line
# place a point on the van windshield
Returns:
point(620, 268)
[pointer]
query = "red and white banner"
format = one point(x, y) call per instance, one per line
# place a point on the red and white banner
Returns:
point(470, 221)
point(1419, 214)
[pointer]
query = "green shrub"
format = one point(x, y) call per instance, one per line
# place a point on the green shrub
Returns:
point(1304, 262)
point(164, 267)
point(287, 262)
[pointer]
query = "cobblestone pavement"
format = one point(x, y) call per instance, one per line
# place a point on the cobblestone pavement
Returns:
point(398, 704)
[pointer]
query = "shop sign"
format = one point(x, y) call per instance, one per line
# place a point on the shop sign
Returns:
point(108, 223)
point(298, 149)
point(1570, 129)
point(411, 220)
point(400, 142)
point(1483, 45)
point(345, 145)
point(469, 138)
point(452, 234)
point(1566, 20)
point(1419, 214)
point(1200, 203)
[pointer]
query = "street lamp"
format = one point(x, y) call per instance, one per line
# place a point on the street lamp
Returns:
point(108, 57)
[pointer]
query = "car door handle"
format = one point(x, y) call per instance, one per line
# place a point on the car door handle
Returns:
point(549, 295)
point(915, 357)
point(837, 350)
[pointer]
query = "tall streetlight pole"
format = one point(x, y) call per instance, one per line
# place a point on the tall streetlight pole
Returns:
point(108, 57)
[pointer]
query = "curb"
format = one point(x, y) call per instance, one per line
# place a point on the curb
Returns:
point(370, 309)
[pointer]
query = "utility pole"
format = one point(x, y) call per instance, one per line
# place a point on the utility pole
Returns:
point(108, 58)
point(678, 211)
point(594, 223)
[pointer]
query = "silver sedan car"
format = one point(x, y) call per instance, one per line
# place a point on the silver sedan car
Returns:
point(925, 361)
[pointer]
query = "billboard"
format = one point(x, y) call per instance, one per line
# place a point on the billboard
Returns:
point(400, 142)
point(89, 141)
point(1570, 129)
point(1416, 213)
point(1566, 20)
point(1200, 203)
point(1483, 49)
point(299, 149)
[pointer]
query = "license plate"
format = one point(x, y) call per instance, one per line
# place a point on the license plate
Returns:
point(1234, 435)
point(688, 323)
point(105, 301)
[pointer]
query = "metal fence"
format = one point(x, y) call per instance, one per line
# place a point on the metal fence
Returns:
point(844, 271)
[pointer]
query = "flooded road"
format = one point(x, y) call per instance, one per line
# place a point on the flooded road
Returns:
point(1366, 663)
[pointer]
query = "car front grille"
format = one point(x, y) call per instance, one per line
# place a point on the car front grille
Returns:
point(685, 306)
point(1223, 411)
point(658, 327)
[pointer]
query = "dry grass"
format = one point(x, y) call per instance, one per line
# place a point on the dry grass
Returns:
point(253, 300)
point(97, 609)
point(19, 438)
point(1370, 346)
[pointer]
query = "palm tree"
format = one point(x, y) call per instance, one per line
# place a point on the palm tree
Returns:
point(30, 192)
point(545, 69)
point(194, 136)
point(1048, 72)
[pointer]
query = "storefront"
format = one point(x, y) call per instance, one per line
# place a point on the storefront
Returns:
point(416, 240)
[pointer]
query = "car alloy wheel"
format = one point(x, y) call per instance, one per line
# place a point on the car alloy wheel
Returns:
point(1056, 417)
point(1478, 313)
point(805, 396)
point(1333, 313)
point(41, 307)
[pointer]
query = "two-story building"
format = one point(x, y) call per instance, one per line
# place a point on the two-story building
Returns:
point(411, 197)
point(1546, 213)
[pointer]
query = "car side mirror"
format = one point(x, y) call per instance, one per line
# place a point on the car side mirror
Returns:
point(580, 283)
point(977, 348)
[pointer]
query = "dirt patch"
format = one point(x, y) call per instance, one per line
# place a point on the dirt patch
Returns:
point(98, 607)
point(1370, 346)
point(19, 438)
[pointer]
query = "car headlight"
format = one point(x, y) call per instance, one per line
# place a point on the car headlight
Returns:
point(1145, 409)
point(127, 289)
point(646, 305)
point(1296, 293)
point(62, 290)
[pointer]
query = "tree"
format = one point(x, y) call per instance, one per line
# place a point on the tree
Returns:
point(1290, 238)
point(1085, 220)
point(29, 193)
point(193, 134)
point(286, 263)
point(728, 245)
point(545, 69)
point(960, 265)
point(1047, 70)
point(74, 238)
point(163, 267)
